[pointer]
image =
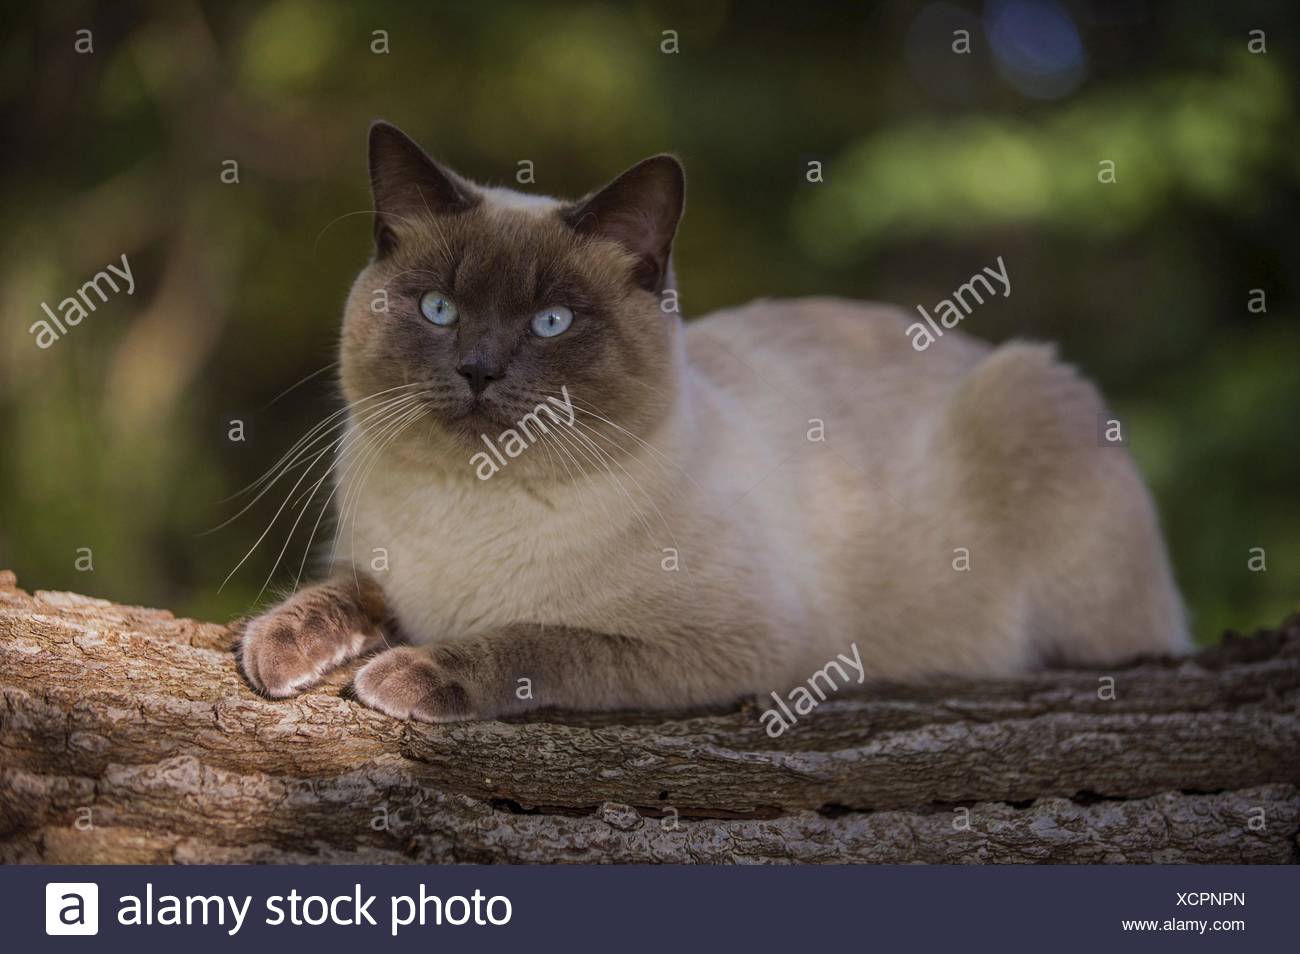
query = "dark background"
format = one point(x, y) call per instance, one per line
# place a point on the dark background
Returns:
point(936, 162)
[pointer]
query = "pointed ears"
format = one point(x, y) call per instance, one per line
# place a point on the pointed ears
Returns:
point(407, 184)
point(640, 211)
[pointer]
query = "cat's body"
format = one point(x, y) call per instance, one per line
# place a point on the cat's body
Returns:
point(767, 486)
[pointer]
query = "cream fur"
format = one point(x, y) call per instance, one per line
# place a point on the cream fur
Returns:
point(791, 549)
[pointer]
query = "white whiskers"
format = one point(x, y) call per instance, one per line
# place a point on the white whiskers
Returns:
point(323, 441)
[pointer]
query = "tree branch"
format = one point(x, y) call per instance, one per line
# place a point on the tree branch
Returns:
point(127, 735)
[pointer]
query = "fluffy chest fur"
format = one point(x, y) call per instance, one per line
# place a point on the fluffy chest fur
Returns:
point(456, 558)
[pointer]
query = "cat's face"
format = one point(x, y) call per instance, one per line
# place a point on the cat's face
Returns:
point(482, 304)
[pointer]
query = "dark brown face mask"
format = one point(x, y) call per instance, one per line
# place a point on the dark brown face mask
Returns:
point(496, 306)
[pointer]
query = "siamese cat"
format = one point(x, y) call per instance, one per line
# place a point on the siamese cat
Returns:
point(553, 492)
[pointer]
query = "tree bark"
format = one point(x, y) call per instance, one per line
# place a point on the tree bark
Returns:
point(127, 735)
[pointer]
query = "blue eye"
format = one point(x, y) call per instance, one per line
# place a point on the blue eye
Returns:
point(550, 322)
point(438, 309)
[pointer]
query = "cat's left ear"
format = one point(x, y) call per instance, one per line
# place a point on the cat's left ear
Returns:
point(640, 211)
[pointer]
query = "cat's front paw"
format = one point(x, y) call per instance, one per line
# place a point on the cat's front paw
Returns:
point(294, 646)
point(407, 683)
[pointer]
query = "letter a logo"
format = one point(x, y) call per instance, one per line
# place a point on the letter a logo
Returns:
point(71, 908)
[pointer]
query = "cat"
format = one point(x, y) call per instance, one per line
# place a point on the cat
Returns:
point(732, 501)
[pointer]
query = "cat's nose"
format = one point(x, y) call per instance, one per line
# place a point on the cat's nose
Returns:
point(479, 374)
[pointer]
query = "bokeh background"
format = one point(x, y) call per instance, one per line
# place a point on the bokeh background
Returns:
point(935, 161)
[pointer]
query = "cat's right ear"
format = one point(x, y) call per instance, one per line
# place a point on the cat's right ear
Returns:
point(407, 185)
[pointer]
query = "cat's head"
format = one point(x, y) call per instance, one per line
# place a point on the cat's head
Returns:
point(486, 302)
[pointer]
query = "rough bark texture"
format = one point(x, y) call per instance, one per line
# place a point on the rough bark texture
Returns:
point(127, 735)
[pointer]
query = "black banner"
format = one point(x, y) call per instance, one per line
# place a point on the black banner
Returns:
point(655, 909)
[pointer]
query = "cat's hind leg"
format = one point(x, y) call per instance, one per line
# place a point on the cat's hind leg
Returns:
point(295, 644)
point(1075, 527)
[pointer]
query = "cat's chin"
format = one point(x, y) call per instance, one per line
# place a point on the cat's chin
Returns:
point(474, 421)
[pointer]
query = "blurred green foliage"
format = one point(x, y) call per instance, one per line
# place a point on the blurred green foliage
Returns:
point(115, 439)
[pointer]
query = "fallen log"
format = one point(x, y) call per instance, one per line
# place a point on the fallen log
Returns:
point(127, 735)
